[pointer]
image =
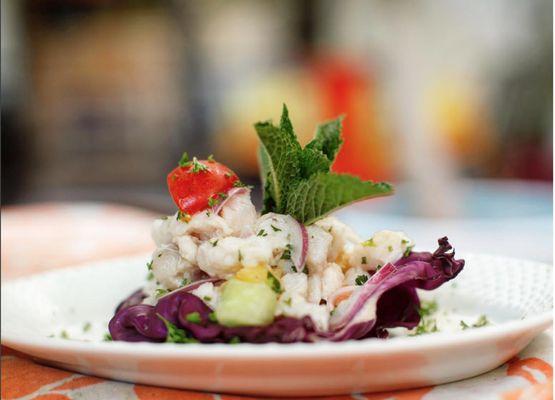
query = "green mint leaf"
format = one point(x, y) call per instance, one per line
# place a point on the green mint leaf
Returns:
point(328, 138)
point(322, 193)
point(279, 156)
point(313, 161)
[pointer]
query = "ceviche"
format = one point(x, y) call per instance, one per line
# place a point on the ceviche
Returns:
point(223, 273)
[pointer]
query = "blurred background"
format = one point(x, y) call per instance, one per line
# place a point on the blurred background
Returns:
point(450, 100)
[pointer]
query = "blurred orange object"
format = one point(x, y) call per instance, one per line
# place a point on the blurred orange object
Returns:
point(319, 90)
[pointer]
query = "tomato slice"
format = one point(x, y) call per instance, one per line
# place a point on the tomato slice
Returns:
point(198, 184)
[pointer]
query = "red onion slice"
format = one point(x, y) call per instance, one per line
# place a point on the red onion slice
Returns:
point(231, 193)
point(299, 240)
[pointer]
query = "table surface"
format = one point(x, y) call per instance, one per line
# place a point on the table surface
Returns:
point(87, 231)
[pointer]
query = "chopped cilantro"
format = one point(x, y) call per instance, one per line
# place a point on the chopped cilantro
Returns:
point(427, 308)
point(369, 243)
point(107, 337)
point(408, 251)
point(240, 256)
point(286, 255)
point(288, 302)
point(235, 340)
point(185, 282)
point(160, 292)
point(176, 335)
point(149, 265)
point(198, 166)
point(378, 267)
point(361, 279)
point(363, 260)
point(390, 248)
point(274, 282)
point(64, 334)
point(214, 243)
point(194, 317)
point(182, 216)
point(207, 298)
point(184, 160)
point(87, 327)
point(404, 241)
point(480, 322)
point(212, 317)
point(261, 232)
point(293, 268)
point(426, 325)
point(211, 158)
point(275, 229)
point(150, 276)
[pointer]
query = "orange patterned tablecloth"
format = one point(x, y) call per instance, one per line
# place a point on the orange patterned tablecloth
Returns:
point(46, 236)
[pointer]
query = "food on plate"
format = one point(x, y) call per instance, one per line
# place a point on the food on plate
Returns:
point(222, 273)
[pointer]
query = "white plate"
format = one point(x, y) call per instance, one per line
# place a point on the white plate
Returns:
point(516, 295)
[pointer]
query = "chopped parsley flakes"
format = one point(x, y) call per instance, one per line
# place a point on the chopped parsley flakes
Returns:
point(369, 243)
point(275, 228)
point(176, 335)
point(274, 282)
point(361, 279)
point(480, 322)
point(160, 292)
point(194, 318)
point(261, 232)
point(87, 327)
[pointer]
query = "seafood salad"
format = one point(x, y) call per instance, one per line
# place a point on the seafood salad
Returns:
point(224, 273)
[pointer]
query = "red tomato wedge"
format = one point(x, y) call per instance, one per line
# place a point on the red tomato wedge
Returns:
point(199, 184)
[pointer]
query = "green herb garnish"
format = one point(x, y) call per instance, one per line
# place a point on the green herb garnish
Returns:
point(298, 181)
point(369, 243)
point(160, 292)
point(427, 308)
point(184, 160)
point(214, 243)
point(361, 280)
point(64, 334)
point(275, 229)
point(194, 317)
point(87, 327)
point(212, 317)
point(480, 322)
point(408, 251)
point(261, 232)
point(185, 282)
point(363, 260)
point(107, 337)
point(149, 265)
point(235, 340)
point(274, 282)
point(176, 335)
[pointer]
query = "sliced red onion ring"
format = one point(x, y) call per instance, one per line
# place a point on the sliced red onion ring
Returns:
point(192, 286)
point(231, 193)
point(299, 237)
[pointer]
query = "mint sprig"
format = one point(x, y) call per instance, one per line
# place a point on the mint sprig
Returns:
point(298, 181)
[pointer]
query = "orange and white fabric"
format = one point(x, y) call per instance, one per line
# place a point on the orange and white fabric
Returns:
point(46, 236)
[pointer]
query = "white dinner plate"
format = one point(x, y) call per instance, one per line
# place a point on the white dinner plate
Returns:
point(515, 295)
